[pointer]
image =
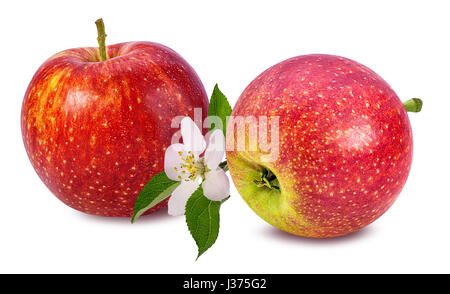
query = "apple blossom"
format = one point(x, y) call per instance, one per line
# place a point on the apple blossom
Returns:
point(183, 162)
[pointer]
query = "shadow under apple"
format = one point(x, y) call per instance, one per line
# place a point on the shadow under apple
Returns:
point(275, 233)
point(156, 217)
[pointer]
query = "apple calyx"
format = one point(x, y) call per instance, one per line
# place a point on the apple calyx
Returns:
point(268, 179)
point(101, 39)
point(413, 105)
point(224, 165)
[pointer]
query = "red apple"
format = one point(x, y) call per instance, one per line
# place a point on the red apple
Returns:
point(96, 131)
point(345, 146)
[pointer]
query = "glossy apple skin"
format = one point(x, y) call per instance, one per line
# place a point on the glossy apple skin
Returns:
point(345, 146)
point(96, 132)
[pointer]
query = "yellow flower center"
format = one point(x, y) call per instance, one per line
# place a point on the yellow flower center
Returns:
point(189, 166)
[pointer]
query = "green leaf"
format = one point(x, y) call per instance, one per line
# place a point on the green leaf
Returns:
point(202, 218)
point(219, 106)
point(157, 189)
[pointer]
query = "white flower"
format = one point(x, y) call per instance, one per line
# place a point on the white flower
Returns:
point(182, 162)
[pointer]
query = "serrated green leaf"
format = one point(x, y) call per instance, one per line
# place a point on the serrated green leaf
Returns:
point(219, 106)
point(202, 218)
point(157, 189)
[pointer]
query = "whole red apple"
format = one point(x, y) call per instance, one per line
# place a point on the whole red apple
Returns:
point(96, 127)
point(345, 146)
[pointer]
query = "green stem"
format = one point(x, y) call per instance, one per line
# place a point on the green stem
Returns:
point(413, 105)
point(101, 39)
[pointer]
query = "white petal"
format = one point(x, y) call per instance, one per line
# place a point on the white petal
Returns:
point(216, 185)
point(172, 161)
point(177, 202)
point(192, 136)
point(216, 149)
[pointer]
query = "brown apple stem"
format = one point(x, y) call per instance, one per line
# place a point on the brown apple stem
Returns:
point(413, 105)
point(101, 39)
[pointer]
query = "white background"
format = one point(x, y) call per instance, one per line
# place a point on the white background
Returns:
point(231, 42)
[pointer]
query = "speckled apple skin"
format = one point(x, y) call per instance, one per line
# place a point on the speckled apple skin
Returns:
point(345, 146)
point(96, 132)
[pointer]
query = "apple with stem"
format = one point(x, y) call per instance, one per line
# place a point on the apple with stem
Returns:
point(96, 121)
point(344, 151)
